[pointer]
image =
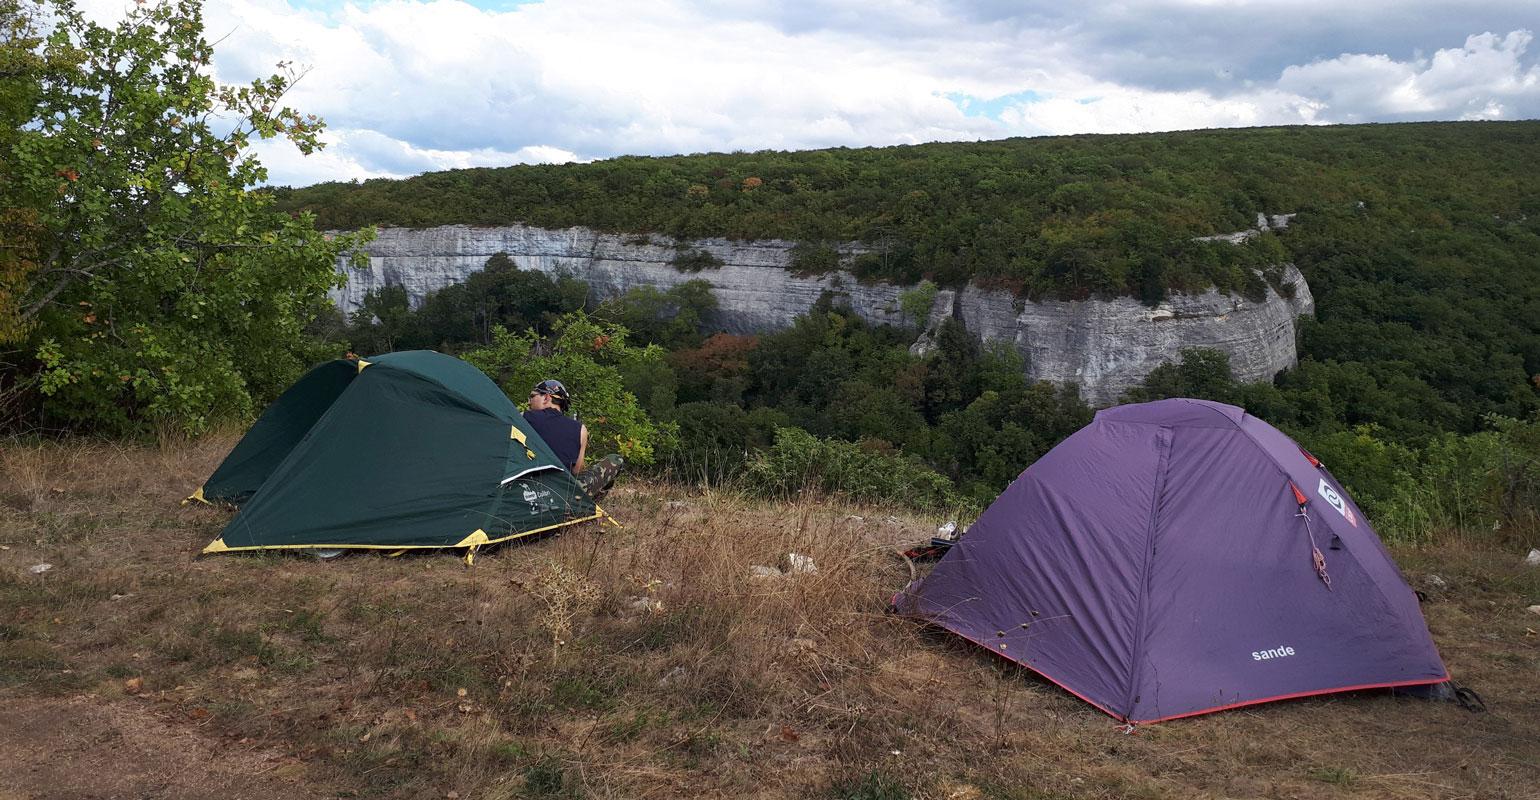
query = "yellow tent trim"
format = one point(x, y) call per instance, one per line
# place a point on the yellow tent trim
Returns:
point(477, 536)
point(218, 545)
point(518, 436)
point(362, 363)
point(197, 497)
point(606, 516)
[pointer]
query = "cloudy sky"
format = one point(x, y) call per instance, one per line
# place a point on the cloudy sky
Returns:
point(408, 86)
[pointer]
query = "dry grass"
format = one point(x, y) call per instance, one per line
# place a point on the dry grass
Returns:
point(636, 662)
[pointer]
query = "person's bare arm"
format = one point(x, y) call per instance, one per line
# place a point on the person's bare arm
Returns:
point(582, 449)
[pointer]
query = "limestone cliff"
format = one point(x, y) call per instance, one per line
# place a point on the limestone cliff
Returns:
point(1105, 346)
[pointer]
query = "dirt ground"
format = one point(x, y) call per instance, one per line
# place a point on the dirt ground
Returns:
point(638, 662)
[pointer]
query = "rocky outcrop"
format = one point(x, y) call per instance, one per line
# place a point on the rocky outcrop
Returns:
point(1104, 346)
point(1109, 346)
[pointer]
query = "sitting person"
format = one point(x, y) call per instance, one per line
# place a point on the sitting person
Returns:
point(568, 438)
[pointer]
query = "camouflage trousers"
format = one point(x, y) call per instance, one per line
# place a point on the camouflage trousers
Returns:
point(596, 479)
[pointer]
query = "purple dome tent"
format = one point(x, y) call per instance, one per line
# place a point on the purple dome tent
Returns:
point(1176, 558)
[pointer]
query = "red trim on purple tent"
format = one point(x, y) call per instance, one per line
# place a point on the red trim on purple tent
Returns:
point(1046, 676)
point(1294, 695)
point(1275, 698)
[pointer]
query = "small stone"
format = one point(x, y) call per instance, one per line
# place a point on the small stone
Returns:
point(1534, 609)
point(645, 605)
point(673, 676)
point(1437, 582)
point(1533, 559)
point(39, 569)
point(798, 564)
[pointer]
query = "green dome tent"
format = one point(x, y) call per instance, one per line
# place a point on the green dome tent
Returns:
point(401, 451)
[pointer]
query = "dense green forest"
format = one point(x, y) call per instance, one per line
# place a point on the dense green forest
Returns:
point(1421, 243)
point(1067, 215)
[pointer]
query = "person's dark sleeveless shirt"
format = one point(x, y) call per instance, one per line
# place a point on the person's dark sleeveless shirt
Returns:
point(564, 434)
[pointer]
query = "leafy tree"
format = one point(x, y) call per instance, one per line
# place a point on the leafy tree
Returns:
point(147, 280)
point(688, 259)
point(952, 377)
point(799, 461)
point(497, 294)
point(672, 318)
point(717, 370)
point(990, 441)
point(717, 439)
point(382, 319)
point(916, 303)
point(1202, 373)
point(592, 359)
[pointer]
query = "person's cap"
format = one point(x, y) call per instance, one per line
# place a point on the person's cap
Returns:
point(554, 389)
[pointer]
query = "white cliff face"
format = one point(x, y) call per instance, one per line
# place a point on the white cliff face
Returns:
point(755, 291)
point(1105, 346)
point(1109, 346)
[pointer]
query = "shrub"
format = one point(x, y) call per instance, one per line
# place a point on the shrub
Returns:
point(801, 462)
point(814, 258)
point(690, 259)
point(916, 303)
point(593, 360)
point(716, 439)
point(1478, 485)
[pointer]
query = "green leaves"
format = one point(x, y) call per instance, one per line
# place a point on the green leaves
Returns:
point(592, 359)
point(151, 283)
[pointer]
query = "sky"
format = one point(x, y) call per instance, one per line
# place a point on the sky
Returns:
point(412, 86)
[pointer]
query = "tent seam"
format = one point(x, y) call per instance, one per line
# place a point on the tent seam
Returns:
point(1141, 622)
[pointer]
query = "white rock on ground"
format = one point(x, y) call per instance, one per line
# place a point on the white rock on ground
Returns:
point(798, 564)
point(1533, 559)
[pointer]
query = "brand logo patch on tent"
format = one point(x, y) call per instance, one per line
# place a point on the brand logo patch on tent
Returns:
point(1276, 652)
point(539, 499)
point(1330, 496)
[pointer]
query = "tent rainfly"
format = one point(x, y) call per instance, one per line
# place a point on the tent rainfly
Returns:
point(1181, 557)
point(400, 451)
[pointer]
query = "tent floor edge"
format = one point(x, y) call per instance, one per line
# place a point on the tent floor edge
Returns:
point(219, 546)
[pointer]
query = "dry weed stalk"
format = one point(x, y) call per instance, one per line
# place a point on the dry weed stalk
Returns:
point(564, 595)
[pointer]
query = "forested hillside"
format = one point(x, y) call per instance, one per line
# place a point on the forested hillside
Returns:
point(1420, 242)
point(1109, 214)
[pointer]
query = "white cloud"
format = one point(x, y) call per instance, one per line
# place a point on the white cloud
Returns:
point(416, 85)
point(1476, 80)
point(1486, 79)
